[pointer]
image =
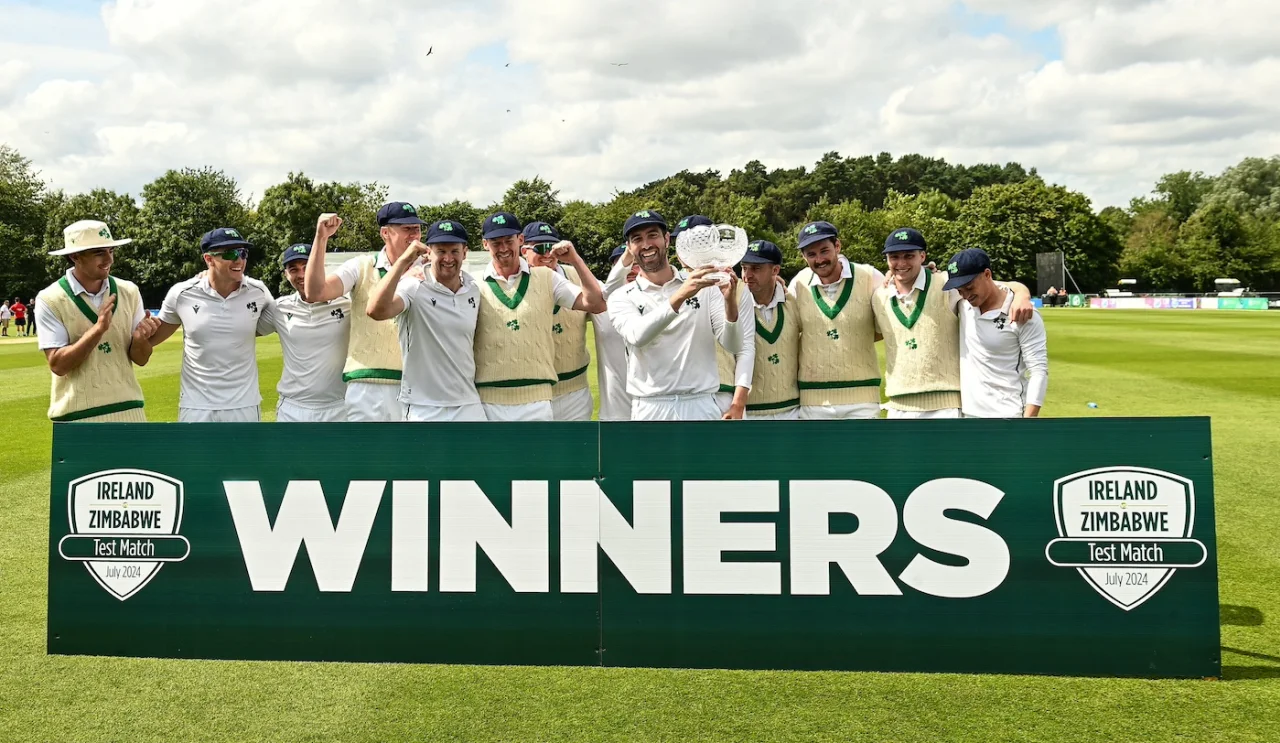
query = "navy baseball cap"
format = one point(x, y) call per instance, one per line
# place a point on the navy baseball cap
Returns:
point(398, 212)
point(763, 251)
point(696, 220)
point(500, 224)
point(966, 266)
point(222, 238)
point(644, 218)
point(540, 232)
point(817, 232)
point(904, 238)
point(446, 231)
point(617, 253)
point(295, 252)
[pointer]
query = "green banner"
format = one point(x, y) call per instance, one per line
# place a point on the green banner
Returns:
point(1050, 546)
point(1078, 300)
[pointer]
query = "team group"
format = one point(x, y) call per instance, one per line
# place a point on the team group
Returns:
point(408, 335)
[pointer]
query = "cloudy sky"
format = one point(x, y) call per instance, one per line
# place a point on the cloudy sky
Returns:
point(1100, 95)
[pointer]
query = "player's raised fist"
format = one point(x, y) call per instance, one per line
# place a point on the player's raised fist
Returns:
point(327, 225)
point(562, 249)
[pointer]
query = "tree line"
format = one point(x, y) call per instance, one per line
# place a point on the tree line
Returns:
point(1191, 229)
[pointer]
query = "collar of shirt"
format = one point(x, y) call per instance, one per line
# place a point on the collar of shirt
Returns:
point(920, 277)
point(490, 272)
point(79, 289)
point(647, 285)
point(429, 281)
point(779, 296)
point(846, 272)
point(207, 288)
point(296, 299)
point(1003, 309)
point(383, 260)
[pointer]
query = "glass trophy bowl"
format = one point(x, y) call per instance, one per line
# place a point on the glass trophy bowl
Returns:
point(721, 245)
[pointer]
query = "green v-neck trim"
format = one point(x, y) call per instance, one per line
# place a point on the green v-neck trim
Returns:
point(514, 301)
point(910, 322)
point(771, 336)
point(82, 305)
point(832, 310)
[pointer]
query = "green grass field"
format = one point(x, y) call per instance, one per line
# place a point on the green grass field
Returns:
point(1225, 365)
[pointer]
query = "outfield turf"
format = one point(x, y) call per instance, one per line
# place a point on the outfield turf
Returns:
point(1226, 365)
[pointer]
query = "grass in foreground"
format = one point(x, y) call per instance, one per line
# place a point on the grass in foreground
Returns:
point(1131, 363)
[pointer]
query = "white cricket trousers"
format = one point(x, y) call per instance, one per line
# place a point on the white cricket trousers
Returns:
point(575, 406)
point(288, 411)
point(368, 402)
point(251, 414)
point(676, 408)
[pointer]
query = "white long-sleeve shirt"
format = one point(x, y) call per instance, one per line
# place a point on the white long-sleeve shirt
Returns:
point(611, 354)
point(744, 362)
point(1004, 366)
point(669, 352)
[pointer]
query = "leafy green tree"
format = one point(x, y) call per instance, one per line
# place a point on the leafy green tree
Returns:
point(1152, 255)
point(1182, 192)
point(1220, 242)
point(179, 207)
point(1014, 222)
point(24, 205)
point(289, 211)
point(533, 201)
point(471, 218)
point(1251, 187)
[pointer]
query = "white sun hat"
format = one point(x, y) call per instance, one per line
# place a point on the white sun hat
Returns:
point(87, 234)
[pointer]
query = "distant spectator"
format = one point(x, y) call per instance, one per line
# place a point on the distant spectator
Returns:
point(19, 311)
point(31, 316)
point(5, 314)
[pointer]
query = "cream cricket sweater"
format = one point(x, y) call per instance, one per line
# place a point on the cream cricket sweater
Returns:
point(515, 356)
point(774, 388)
point(569, 333)
point(373, 352)
point(104, 384)
point(921, 348)
point(838, 364)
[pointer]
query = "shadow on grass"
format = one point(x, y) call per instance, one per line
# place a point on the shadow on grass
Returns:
point(1251, 673)
point(1240, 616)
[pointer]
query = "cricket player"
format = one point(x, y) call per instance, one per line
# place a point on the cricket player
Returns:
point(838, 373)
point(611, 351)
point(437, 317)
point(1004, 365)
point(571, 394)
point(514, 346)
point(734, 370)
point(5, 315)
point(917, 317)
point(221, 312)
point(91, 352)
point(775, 390)
point(313, 339)
point(372, 371)
point(671, 321)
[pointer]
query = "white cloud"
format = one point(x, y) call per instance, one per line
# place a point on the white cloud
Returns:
point(343, 89)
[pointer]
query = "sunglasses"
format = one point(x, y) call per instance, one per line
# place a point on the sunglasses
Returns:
point(230, 254)
point(540, 248)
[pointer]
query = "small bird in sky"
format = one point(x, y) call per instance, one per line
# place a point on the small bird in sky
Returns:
point(619, 64)
point(429, 50)
point(507, 64)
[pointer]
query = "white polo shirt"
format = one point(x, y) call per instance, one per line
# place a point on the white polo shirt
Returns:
point(219, 360)
point(672, 353)
point(51, 333)
point(437, 335)
point(313, 338)
point(566, 292)
point(1004, 366)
